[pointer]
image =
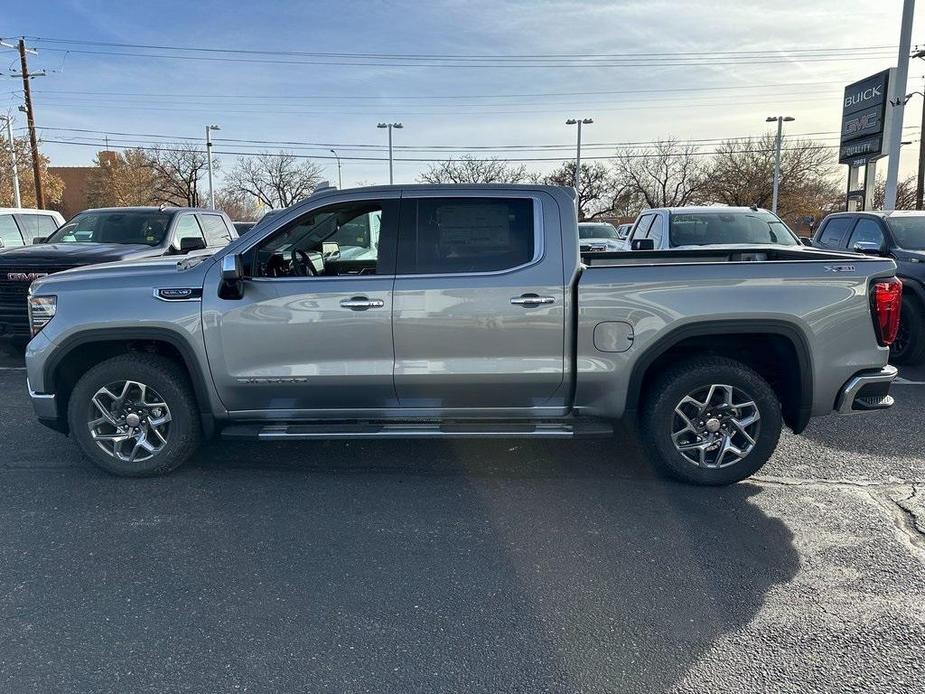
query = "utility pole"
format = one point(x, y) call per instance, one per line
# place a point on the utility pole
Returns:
point(390, 126)
point(30, 119)
point(340, 181)
point(920, 178)
point(578, 122)
point(209, 129)
point(777, 146)
point(898, 104)
point(17, 201)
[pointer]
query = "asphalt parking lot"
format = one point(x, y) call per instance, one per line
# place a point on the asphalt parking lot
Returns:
point(451, 566)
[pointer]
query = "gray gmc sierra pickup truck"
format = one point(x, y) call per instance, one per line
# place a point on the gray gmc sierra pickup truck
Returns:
point(458, 311)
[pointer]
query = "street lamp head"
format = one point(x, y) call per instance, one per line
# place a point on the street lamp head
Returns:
point(587, 121)
point(788, 119)
point(571, 121)
point(771, 119)
point(397, 125)
point(382, 125)
point(214, 127)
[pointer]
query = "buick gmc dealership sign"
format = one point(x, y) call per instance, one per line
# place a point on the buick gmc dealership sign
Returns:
point(863, 119)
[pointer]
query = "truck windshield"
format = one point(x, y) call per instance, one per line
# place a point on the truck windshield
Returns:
point(116, 226)
point(712, 228)
point(596, 231)
point(909, 232)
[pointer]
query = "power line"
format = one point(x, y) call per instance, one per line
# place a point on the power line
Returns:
point(368, 97)
point(632, 155)
point(465, 56)
point(651, 62)
point(825, 134)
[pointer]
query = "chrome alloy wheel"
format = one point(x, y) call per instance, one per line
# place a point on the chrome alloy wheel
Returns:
point(715, 426)
point(129, 420)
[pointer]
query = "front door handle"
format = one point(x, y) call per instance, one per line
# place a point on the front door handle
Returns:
point(361, 303)
point(532, 300)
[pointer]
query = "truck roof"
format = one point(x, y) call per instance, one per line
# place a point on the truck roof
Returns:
point(707, 209)
point(149, 208)
point(453, 186)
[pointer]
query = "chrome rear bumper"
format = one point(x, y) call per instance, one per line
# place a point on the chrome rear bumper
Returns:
point(866, 390)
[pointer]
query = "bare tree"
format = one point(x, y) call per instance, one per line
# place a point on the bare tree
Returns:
point(177, 170)
point(121, 179)
point(600, 193)
point(742, 173)
point(241, 208)
point(468, 169)
point(670, 174)
point(275, 179)
point(905, 193)
point(52, 185)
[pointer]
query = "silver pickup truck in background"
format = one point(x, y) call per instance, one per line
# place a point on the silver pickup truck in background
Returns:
point(458, 311)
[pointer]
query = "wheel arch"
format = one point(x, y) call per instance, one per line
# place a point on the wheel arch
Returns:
point(760, 344)
point(79, 352)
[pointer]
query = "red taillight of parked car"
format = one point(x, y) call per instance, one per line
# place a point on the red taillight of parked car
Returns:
point(886, 298)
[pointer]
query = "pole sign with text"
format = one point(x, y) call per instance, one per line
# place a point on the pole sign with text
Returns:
point(863, 121)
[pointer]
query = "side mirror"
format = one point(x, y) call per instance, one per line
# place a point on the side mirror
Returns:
point(643, 244)
point(232, 270)
point(232, 286)
point(191, 243)
point(868, 248)
point(39, 239)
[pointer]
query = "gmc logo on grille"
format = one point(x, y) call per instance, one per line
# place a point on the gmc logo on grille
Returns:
point(25, 276)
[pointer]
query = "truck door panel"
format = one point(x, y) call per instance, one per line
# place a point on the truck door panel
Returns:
point(479, 310)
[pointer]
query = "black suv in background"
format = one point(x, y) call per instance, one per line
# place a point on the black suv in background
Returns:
point(899, 235)
point(102, 236)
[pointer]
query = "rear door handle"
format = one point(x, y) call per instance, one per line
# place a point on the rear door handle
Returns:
point(361, 303)
point(532, 300)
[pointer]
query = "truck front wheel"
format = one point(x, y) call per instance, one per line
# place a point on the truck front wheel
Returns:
point(710, 421)
point(135, 415)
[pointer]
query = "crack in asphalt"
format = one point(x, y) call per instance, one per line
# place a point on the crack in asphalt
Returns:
point(904, 519)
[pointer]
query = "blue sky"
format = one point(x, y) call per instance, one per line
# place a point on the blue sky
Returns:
point(294, 99)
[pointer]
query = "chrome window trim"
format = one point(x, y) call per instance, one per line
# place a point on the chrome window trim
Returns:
point(539, 230)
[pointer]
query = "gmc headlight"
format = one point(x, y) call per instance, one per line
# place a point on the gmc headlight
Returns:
point(41, 310)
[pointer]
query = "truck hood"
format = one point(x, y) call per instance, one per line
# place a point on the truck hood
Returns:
point(74, 253)
point(169, 270)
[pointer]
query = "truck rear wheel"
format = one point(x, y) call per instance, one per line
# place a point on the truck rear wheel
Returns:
point(909, 346)
point(710, 421)
point(135, 415)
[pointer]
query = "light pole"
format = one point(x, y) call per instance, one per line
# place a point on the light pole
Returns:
point(390, 126)
point(209, 129)
point(340, 181)
point(780, 134)
point(898, 103)
point(17, 201)
point(579, 122)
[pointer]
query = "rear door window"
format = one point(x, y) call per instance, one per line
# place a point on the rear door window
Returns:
point(216, 231)
point(187, 228)
point(835, 232)
point(456, 235)
point(9, 232)
point(868, 231)
point(655, 231)
point(33, 225)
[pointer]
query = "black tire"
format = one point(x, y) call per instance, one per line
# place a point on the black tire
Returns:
point(169, 382)
point(659, 420)
point(909, 347)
